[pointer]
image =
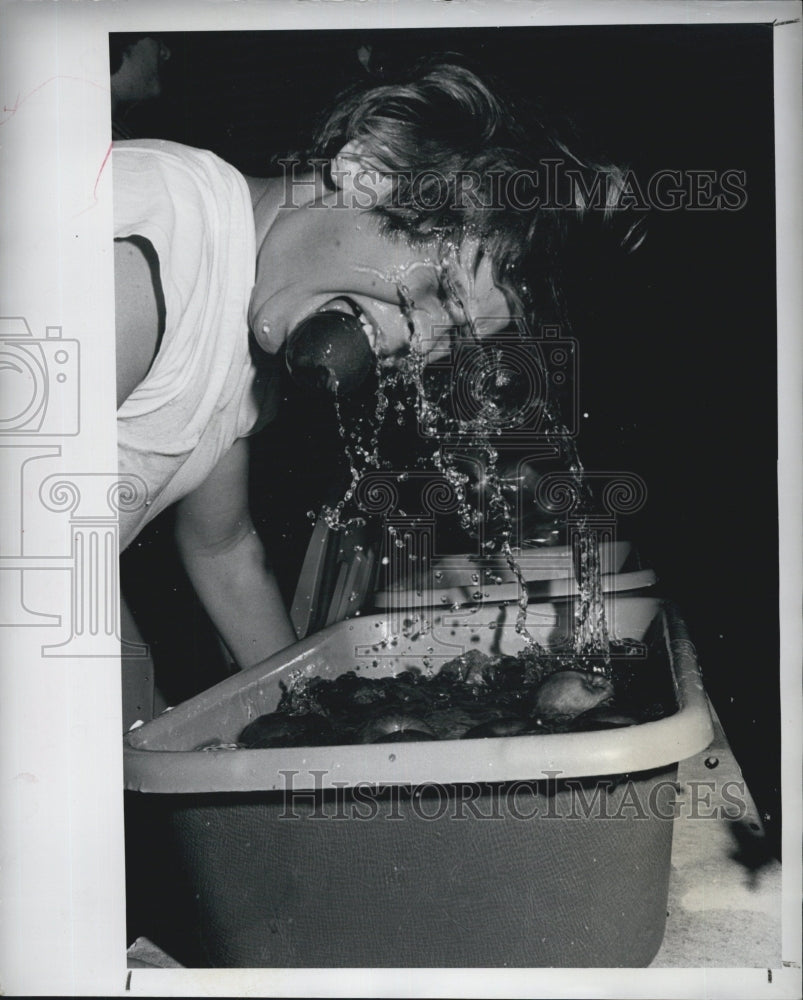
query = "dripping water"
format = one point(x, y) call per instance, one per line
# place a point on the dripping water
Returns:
point(591, 639)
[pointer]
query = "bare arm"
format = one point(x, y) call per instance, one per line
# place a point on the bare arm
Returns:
point(226, 562)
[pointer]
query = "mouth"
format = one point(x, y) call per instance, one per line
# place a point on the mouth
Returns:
point(349, 307)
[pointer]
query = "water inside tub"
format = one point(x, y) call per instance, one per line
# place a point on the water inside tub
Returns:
point(474, 695)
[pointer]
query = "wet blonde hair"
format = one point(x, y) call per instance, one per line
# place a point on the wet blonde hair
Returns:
point(442, 125)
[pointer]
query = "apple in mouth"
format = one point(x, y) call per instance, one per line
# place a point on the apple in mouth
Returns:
point(333, 349)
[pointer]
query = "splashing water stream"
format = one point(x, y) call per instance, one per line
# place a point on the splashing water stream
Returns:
point(591, 639)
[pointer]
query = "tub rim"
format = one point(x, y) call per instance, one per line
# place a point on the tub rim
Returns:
point(628, 750)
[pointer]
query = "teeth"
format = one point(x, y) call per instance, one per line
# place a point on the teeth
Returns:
point(350, 307)
point(368, 329)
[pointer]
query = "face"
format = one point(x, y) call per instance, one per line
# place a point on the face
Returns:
point(325, 256)
point(138, 78)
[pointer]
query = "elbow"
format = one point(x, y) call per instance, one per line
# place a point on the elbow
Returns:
point(240, 539)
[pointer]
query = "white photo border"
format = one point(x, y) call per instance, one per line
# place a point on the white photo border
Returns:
point(62, 915)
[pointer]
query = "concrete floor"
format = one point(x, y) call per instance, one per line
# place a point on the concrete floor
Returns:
point(724, 906)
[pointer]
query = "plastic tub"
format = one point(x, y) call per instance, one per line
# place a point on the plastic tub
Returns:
point(548, 571)
point(523, 851)
point(545, 562)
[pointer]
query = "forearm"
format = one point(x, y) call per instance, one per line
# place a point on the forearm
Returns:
point(241, 596)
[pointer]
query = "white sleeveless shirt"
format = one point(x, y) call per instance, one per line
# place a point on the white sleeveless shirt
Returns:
point(202, 391)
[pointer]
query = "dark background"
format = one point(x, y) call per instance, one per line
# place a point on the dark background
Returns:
point(677, 341)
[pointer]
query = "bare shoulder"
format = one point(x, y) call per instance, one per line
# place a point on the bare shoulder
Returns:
point(139, 311)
